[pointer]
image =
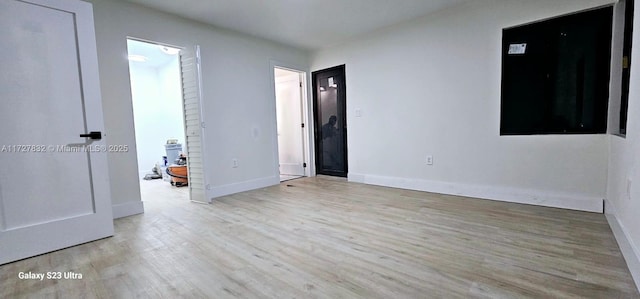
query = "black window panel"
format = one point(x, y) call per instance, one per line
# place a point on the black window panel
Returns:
point(560, 84)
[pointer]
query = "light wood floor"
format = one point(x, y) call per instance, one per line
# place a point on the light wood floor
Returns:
point(326, 238)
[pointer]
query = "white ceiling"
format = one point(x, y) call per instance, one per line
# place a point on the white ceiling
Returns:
point(309, 24)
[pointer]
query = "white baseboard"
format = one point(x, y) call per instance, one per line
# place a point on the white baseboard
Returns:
point(533, 197)
point(625, 242)
point(127, 209)
point(223, 190)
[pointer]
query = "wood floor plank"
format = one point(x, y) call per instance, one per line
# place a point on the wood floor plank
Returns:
point(323, 237)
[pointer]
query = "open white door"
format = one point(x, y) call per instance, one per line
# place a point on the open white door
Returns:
point(54, 187)
point(193, 123)
point(290, 124)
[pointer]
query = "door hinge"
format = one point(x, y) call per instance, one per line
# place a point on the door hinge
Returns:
point(625, 62)
point(303, 125)
point(300, 84)
point(203, 125)
point(304, 165)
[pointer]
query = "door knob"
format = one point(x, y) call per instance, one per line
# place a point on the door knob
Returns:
point(93, 135)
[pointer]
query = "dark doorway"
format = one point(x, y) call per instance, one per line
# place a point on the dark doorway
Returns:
point(330, 111)
point(555, 75)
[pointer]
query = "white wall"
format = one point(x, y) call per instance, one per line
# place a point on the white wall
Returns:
point(238, 99)
point(157, 108)
point(172, 111)
point(623, 189)
point(432, 87)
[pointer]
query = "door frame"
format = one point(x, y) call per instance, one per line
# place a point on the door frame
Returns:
point(316, 126)
point(307, 118)
point(207, 198)
point(135, 133)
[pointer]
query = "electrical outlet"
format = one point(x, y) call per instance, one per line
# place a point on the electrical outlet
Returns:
point(628, 188)
point(234, 163)
point(429, 160)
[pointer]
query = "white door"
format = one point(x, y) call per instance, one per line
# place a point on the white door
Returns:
point(54, 186)
point(193, 123)
point(289, 122)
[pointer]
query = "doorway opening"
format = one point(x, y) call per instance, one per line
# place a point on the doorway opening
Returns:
point(291, 118)
point(157, 98)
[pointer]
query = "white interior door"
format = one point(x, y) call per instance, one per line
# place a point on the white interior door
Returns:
point(193, 123)
point(289, 119)
point(54, 187)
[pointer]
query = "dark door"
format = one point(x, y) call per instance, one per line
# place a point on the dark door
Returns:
point(330, 108)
